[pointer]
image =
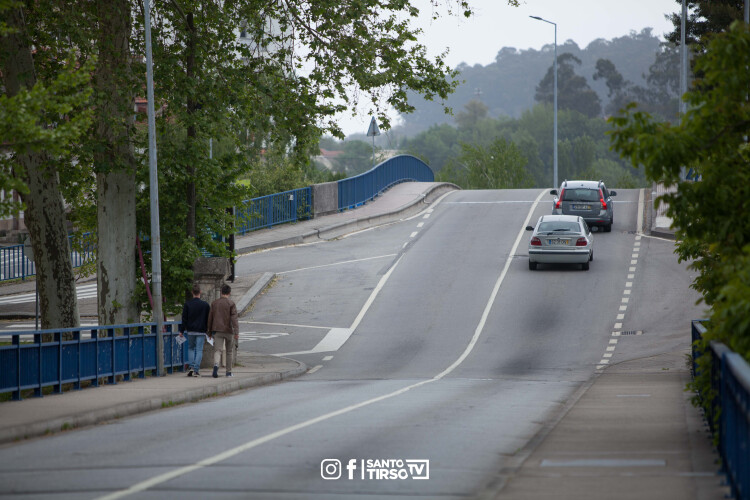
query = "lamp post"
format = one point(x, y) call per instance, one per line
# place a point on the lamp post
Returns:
point(555, 99)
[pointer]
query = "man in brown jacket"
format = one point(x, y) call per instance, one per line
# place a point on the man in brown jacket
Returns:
point(224, 325)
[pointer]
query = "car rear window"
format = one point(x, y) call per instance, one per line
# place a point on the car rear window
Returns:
point(581, 194)
point(562, 226)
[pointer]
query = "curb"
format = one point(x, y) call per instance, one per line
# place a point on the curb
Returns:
point(341, 228)
point(247, 300)
point(76, 421)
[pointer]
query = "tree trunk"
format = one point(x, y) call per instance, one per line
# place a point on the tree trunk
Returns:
point(115, 163)
point(44, 215)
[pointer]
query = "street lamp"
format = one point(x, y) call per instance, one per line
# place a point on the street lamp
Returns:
point(555, 98)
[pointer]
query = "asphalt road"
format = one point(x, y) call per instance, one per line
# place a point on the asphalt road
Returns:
point(428, 340)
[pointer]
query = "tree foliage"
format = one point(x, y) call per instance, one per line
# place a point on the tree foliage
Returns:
point(500, 165)
point(573, 91)
point(713, 228)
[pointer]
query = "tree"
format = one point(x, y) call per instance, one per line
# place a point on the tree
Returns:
point(498, 166)
point(705, 18)
point(474, 111)
point(713, 229)
point(40, 120)
point(573, 92)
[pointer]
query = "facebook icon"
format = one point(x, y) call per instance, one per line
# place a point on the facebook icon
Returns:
point(351, 467)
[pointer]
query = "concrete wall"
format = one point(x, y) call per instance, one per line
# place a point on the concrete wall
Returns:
point(325, 198)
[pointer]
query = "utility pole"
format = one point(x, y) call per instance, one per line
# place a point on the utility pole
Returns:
point(154, 191)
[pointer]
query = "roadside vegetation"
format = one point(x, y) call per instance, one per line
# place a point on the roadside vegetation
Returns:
point(710, 215)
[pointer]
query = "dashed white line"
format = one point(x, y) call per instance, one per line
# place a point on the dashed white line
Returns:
point(314, 369)
point(628, 284)
point(427, 216)
point(327, 358)
point(420, 224)
point(618, 325)
point(620, 316)
point(414, 234)
point(338, 263)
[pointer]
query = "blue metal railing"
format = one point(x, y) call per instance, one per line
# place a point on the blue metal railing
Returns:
point(273, 209)
point(357, 190)
point(91, 353)
point(15, 265)
point(730, 393)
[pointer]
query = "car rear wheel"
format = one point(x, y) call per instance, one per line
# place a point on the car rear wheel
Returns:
point(585, 266)
point(608, 228)
point(591, 256)
point(532, 266)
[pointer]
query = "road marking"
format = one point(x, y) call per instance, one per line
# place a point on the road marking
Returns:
point(250, 336)
point(618, 325)
point(610, 348)
point(327, 358)
point(631, 276)
point(626, 292)
point(613, 341)
point(338, 263)
point(615, 334)
point(283, 324)
point(420, 224)
point(314, 369)
point(404, 245)
point(414, 234)
point(82, 292)
point(632, 269)
point(623, 308)
point(207, 462)
point(427, 216)
point(625, 300)
point(607, 355)
point(620, 316)
point(628, 284)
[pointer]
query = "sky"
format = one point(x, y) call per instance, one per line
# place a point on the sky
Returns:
point(496, 24)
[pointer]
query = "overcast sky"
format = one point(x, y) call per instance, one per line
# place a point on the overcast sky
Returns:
point(495, 25)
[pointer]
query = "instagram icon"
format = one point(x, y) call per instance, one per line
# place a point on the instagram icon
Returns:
point(330, 468)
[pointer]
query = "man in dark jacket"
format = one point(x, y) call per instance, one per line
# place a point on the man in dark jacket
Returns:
point(224, 325)
point(195, 321)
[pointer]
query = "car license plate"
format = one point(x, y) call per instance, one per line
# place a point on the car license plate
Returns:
point(581, 207)
point(558, 242)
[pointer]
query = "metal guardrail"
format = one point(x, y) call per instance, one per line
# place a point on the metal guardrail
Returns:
point(357, 190)
point(15, 265)
point(83, 354)
point(730, 394)
point(273, 209)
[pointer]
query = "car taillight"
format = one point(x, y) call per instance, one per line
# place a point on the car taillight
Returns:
point(559, 200)
point(536, 242)
point(581, 242)
point(601, 200)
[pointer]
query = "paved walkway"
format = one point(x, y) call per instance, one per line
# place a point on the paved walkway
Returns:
point(631, 432)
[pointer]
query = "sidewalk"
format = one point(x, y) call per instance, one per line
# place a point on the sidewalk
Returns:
point(631, 434)
point(35, 417)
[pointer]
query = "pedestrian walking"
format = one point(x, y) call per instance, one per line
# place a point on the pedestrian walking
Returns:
point(223, 324)
point(195, 314)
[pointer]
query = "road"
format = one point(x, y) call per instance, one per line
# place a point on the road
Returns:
point(429, 342)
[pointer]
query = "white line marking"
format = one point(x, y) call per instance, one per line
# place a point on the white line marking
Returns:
point(404, 245)
point(414, 234)
point(600, 367)
point(638, 238)
point(284, 324)
point(633, 262)
point(633, 395)
point(427, 216)
point(610, 348)
point(632, 269)
point(618, 325)
point(626, 292)
point(658, 238)
point(628, 284)
point(625, 300)
point(615, 334)
point(167, 476)
point(623, 308)
point(487, 202)
point(631, 276)
point(607, 355)
point(634, 256)
point(604, 362)
point(620, 316)
point(637, 243)
point(420, 224)
point(338, 263)
point(613, 341)
point(314, 369)
point(327, 358)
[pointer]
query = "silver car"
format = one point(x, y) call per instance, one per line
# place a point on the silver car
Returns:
point(561, 239)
